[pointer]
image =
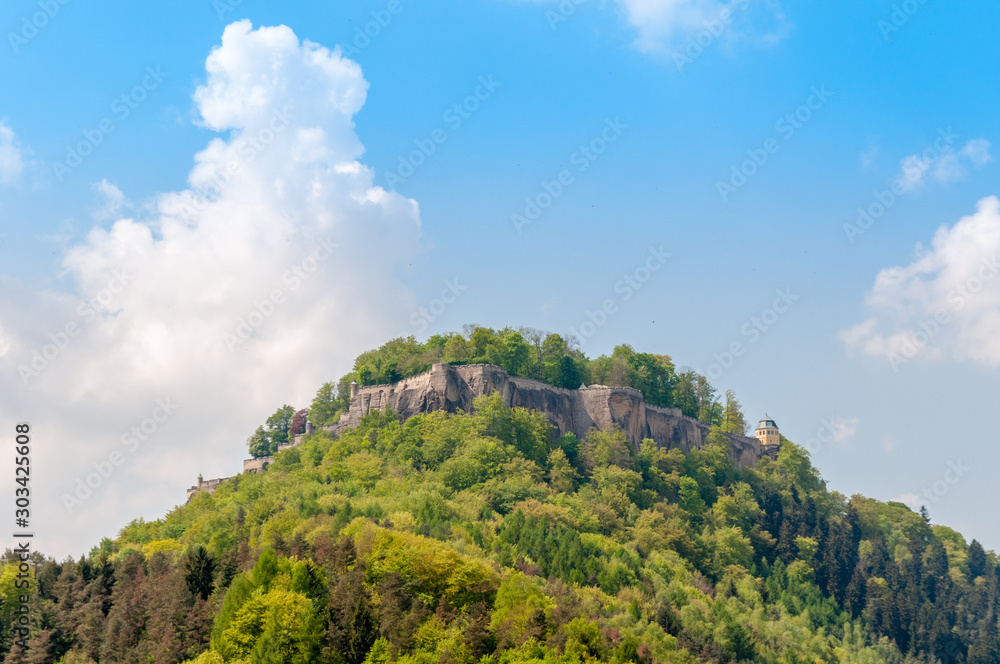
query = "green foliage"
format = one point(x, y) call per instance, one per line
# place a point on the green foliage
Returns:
point(478, 538)
point(607, 448)
point(528, 432)
point(326, 407)
point(266, 439)
point(733, 420)
point(529, 353)
point(653, 375)
point(199, 571)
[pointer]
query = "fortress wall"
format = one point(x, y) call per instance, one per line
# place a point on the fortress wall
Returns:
point(206, 485)
point(452, 388)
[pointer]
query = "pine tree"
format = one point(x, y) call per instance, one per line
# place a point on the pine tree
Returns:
point(199, 572)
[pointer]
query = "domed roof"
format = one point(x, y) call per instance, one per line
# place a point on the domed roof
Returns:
point(767, 423)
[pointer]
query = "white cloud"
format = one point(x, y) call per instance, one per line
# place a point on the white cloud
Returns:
point(943, 165)
point(664, 25)
point(200, 267)
point(11, 156)
point(911, 500)
point(844, 428)
point(868, 157)
point(978, 152)
point(113, 202)
point(945, 304)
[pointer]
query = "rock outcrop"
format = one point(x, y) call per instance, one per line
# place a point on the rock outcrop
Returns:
point(453, 388)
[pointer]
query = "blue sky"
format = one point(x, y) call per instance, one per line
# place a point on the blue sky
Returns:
point(874, 84)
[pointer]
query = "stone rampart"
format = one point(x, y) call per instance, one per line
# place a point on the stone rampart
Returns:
point(453, 388)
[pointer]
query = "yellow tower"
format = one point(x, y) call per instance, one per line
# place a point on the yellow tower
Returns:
point(767, 433)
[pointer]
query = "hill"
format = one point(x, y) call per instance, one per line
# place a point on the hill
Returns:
point(483, 536)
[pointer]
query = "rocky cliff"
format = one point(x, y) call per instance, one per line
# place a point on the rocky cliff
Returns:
point(452, 388)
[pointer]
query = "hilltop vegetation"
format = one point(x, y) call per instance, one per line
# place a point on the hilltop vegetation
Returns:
point(524, 352)
point(483, 538)
point(528, 353)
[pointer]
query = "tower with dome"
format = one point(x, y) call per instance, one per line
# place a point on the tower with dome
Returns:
point(769, 436)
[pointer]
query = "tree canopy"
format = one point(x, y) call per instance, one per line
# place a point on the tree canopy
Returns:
point(482, 538)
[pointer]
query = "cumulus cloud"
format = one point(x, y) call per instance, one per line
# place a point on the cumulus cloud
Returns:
point(663, 25)
point(11, 156)
point(945, 304)
point(942, 164)
point(185, 327)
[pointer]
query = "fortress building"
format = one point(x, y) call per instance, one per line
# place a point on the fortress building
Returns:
point(768, 435)
point(208, 486)
point(455, 388)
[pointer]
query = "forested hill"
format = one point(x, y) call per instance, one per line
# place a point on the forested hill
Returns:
point(479, 538)
point(482, 538)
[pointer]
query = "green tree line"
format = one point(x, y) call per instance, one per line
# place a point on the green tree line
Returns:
point(484, 538)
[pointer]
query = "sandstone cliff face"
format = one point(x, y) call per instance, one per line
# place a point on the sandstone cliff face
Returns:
point(453, 388)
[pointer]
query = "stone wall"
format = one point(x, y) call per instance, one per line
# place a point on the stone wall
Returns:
point(257, 465)
point(453, 388)
point(205, 485)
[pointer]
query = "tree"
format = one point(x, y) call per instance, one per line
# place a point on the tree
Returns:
point(733, 420)
point(562, 476)
point(266, 439)
point(690, 496)
point(279, 424)
point(456, 350)
point(528, 431)
point(607, 448)
point(977, 560)
point(259, 444)
point(40, 649)
point(511, 352)
point(199, 572)
point(298, 425)
point(559, 364)
point(685, 393)
point(709, 410)
point(325, 407)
